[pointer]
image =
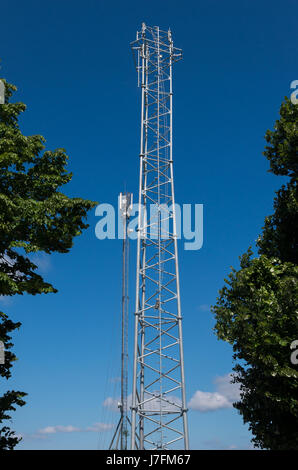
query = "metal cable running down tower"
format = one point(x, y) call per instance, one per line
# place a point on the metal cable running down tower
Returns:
point(159, 414)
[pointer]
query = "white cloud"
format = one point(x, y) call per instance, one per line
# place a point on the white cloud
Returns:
point(97, 427)
point(152, 402)
point(167, 403)
point(50, 430)
point(111, 403)
point(226, 388)
point(224, 397)
point(55, 429)
point(208, 401)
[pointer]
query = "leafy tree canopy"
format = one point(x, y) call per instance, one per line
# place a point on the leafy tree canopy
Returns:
point(257, 309)
point(35, 216)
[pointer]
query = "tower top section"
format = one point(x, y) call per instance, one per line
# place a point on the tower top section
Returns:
point(154, 45)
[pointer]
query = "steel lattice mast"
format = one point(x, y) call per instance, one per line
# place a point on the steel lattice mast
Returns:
point(159, 419)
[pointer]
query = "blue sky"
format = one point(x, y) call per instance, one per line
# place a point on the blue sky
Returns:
point(73, 67)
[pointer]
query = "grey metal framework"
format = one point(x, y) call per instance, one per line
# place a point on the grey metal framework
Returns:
point(159, 414)
point(120, 437)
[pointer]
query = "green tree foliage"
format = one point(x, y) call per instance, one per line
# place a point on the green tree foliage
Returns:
point(8, 439)
point(280, 234)
point(34, 217)
point(257, 309)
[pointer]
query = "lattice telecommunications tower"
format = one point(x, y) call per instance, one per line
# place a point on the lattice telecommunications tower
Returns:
point(159, 414)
